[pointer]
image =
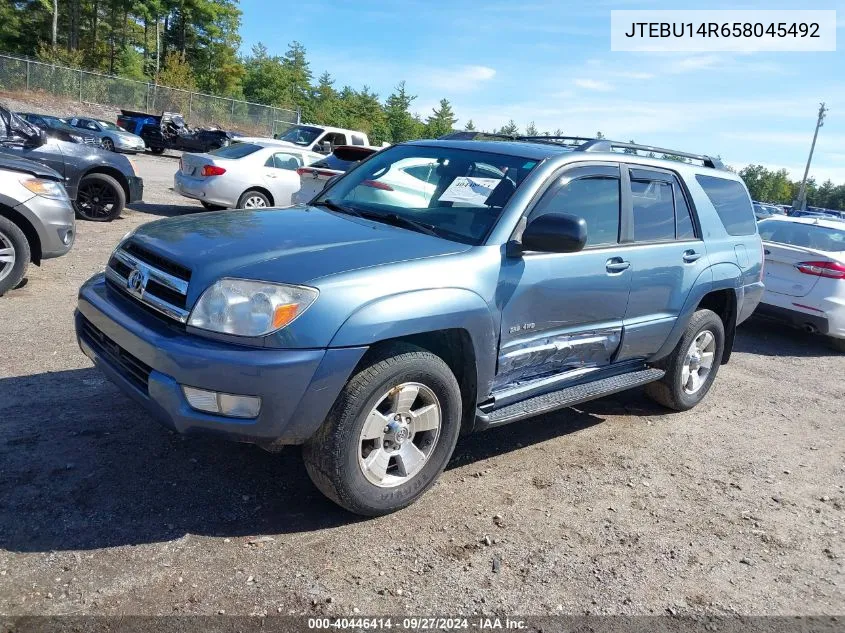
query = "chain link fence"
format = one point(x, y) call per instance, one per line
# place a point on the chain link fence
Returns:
point(18, 75)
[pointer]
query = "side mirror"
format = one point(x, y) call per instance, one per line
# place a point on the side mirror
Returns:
point(555, 233)
point(36, 140)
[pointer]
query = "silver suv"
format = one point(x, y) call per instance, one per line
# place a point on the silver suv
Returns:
point(36, 218)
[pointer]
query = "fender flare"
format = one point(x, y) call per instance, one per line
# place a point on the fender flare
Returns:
point(721, 276)
point(423, 311)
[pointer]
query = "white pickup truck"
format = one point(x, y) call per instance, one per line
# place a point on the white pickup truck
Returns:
point(316, 138)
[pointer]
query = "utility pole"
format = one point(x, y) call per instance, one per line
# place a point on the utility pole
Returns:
point(801, 202)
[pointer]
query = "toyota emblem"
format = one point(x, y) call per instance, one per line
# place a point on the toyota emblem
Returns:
point(136, 282)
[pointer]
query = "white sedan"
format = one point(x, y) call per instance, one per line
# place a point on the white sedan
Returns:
point(805, 274)
point(243, 175)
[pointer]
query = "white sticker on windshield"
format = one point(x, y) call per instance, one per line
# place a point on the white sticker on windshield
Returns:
point(469, 190)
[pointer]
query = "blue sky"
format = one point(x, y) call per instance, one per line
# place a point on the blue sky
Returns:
point(550, 61)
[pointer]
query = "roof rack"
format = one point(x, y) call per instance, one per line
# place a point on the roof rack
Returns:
point(587, 144)
point(466, 135)
point(603, 145)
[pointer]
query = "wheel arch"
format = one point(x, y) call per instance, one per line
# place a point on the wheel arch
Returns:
point(109, 171)
point(28, 230)
point(260, 189)
point(716, 287)
point(452, 323)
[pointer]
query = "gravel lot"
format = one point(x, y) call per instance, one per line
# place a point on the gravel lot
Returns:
point(617, 507)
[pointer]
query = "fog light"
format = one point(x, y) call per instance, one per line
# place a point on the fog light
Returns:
point(226, 404)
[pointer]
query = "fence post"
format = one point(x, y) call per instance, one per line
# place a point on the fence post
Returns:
point(79, 74)
point(190, 104)
point(298, 115)
point(27, 75)
point(232, 116)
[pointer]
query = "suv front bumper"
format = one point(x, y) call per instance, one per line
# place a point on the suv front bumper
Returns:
point(150, 359)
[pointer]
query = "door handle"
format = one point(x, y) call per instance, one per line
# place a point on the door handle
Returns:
point(271, 175)
point(617, 265)
point(691, 256)
point(766, 251)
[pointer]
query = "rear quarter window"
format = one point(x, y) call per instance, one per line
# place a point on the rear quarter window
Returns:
point(731, 202)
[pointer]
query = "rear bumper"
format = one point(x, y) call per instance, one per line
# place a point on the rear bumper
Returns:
point(210, 190)
point(817, 323)
point(150, 359)
point(136, 189)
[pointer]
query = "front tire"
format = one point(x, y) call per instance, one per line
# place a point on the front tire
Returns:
point(108, 144)
point(389, 434)
point(692, 366)
point(100, 198)
point(157, 150)
point(211, 207)
point(14, 255)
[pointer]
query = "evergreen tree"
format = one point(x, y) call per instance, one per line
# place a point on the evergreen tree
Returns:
point(531, 130)
point(400, 123)
point(510, 129)
point(470, 126)
point(441, 121)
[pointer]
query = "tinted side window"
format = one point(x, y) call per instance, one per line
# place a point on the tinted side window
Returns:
point(654, 210)
point(732, 204)
point(596, 199)
point(358, 140)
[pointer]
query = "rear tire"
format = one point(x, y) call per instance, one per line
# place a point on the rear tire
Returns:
point(100, 198)
point(253, 199)
point(211, 207)
point(14, 255)
point(692, 366)
point(389, 434)
point(157, 150)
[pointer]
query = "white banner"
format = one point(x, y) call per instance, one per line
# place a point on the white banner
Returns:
point(723, 31)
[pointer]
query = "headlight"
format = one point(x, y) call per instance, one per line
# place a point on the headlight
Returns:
point(76, 138)
point(45, 188)
point(250, 308)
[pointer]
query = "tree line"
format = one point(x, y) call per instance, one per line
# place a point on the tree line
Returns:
point(194, 44)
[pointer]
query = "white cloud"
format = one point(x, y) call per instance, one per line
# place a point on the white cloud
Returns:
point(460, 79)
point(693, 63)
point(634, 75)
point(593, 84)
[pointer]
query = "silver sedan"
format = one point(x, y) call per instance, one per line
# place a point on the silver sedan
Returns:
point(243, 175)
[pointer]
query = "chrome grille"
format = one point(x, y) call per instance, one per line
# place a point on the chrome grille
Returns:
point(91, 140)
point(151, 279)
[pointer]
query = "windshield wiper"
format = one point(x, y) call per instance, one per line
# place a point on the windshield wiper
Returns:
point(408, 223)
point(334, 206)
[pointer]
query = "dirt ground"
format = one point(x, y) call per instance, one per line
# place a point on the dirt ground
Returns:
point(618, 507)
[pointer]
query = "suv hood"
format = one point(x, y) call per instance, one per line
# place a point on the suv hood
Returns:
point(293, 245)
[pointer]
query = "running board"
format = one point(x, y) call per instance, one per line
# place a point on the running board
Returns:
point(566, 398)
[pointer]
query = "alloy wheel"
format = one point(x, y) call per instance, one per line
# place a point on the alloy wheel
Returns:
point(399, 435)
point(95, 199)
point(698, 362)
point(7, 256)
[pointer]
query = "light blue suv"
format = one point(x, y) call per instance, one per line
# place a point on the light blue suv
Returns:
point(438, 288)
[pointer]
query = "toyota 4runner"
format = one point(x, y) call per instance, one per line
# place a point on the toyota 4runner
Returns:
point(437, 288)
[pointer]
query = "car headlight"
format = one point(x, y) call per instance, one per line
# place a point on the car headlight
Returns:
point(45, 188)
point(250, 308)
point(76, 138)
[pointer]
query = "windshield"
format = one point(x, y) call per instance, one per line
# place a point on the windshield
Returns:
point(821, 238)
point(301, 134)
point(108, 126)
point(458, 193)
